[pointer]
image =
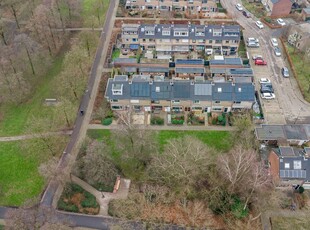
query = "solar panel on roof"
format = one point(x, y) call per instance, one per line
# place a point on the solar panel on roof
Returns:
point(140, 90)
point(293, 173)
point(190, 61)
point(203, 89)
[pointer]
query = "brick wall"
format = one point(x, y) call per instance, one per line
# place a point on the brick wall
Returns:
point(274, 165)
point(281, 8)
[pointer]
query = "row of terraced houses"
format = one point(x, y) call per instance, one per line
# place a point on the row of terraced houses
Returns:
point(228, 85)
point(170, 38)
point(194, 6)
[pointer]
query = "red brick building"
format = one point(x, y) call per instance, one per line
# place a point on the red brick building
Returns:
point(279, 7)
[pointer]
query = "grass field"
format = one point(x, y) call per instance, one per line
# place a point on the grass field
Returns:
point(19, 176)
point(15, 117)
point(93, 10)
point(302, 70)
point(217, 139)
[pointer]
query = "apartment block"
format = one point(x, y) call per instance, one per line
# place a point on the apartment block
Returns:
point(167, 39)
point(194, 6)
point(145, 94)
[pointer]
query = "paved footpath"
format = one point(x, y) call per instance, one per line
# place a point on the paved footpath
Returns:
point(31, 136)
point(166, 127)
point(122, 193)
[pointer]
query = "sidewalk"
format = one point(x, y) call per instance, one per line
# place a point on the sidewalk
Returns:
point(31, 136)
point(166, 127)
point(122, 193)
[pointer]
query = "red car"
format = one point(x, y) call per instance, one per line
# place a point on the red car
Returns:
point(260, 62)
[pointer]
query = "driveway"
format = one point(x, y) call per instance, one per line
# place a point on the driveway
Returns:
point(289, 105)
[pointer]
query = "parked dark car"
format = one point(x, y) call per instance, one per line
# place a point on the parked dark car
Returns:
point(266, 88)
point(246, 14)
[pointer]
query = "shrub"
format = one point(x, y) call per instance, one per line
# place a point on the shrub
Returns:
point(268, 19)
point(157, 121)
point(220, 118)
point(238, 210)
point(177, 122)
point(301, 189)
point(67, 207)
point(107, 121)
point(214, 121)
point(89, 202)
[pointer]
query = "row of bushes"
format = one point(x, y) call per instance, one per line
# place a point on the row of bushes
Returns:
point(68, 203)
point(157, 121)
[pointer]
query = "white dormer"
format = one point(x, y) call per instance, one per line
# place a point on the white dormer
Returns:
point(219, 90)
point(117, 89)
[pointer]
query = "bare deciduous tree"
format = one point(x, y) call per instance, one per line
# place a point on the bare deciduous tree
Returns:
point(183, 163)
point(34, 217)
point(135, 145)
point(96, 167)
point(244, 172)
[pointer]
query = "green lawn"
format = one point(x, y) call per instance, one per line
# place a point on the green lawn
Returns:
point(19, 177)
point(15, 117)
point(216, 139)
point(302, 70)
point(93, 10)
point(116, 53)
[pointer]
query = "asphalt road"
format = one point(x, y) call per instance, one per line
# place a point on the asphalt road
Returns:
point(47, 198)
point(289, 105)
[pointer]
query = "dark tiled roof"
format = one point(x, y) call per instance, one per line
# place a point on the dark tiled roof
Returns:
point(227, 61)
point(180, 90)
point(222, 92)
point(125, 60)
point(154, 69)
point(244, 92)
point(228, 32)
point(189, 70)
point(189, 62)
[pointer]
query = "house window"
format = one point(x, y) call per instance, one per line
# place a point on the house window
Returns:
point(287, 165)
point(237, 102)
point(181, 33)
point(114, 100)
point(217, 102)
point(196, 101)
point(154, 102)
point(210, 41)
point(297, 164)
point(239, 90)
point(149, 32)
point(166, 32)
point(117, 107)
point(227, 41)
point(219, 90)
point(175, 101)
point(157, 89)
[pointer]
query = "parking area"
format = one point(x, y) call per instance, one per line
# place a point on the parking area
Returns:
point(271, 108)
point(289, 105)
